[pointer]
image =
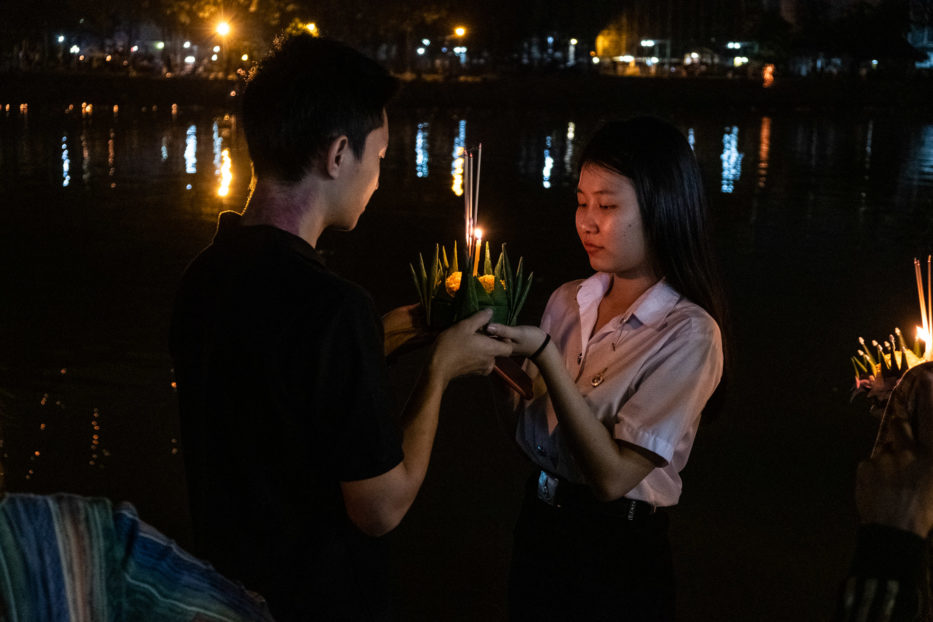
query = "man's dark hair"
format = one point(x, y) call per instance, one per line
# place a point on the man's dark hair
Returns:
point(303, 95)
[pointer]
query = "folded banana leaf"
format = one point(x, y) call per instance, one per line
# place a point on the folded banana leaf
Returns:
point(448, 297)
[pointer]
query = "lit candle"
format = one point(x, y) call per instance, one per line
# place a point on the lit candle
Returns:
point(923, 340)
point(478, 234)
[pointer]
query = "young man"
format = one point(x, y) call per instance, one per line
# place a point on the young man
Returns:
point(294, 463)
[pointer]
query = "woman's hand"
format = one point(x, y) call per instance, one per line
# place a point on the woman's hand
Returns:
point(525, 340)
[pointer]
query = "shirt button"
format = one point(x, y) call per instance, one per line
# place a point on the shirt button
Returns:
point(539, 449)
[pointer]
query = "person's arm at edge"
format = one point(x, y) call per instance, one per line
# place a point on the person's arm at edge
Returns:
point(377, 505)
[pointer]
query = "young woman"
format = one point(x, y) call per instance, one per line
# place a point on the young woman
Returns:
point(624, 363)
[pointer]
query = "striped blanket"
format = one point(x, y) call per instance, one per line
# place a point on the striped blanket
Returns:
point(65, 558)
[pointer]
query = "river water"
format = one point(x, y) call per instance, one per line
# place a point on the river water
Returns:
point(818, 216)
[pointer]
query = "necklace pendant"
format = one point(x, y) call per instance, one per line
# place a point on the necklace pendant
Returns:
point(597, 379)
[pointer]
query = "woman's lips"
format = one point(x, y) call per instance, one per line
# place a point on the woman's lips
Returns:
point(591, 248)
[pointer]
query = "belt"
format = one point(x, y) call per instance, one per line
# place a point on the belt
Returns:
point(561, 493)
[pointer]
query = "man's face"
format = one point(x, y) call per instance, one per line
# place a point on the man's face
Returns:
point(363, 177)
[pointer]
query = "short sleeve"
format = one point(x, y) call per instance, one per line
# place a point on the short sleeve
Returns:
point(672, 389)
point(352, 397)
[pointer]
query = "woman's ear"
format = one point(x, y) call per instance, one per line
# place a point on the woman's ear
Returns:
point(336, 156)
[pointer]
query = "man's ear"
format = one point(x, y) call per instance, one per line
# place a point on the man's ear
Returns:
point(337, 154)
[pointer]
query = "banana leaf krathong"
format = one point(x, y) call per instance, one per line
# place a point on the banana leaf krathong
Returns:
point(448, 297)
point(879, 368)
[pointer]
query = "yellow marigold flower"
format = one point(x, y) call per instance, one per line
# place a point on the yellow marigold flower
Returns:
point(488, 282)
point(452, 283)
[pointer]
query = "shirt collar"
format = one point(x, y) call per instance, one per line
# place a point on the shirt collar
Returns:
point(650, 308)
point(230, 228)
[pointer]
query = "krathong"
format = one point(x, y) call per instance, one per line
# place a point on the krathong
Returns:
point(449, 293)
point(880, 366)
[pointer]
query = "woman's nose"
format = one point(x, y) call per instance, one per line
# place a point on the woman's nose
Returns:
point(585, 221)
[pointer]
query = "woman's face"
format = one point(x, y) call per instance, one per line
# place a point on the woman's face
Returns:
point(609, 223)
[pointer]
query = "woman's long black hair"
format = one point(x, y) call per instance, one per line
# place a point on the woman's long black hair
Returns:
point(659, 161)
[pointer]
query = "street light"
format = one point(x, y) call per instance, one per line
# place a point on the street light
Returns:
point(312, 28)
point(460, 31)
point(223, 29)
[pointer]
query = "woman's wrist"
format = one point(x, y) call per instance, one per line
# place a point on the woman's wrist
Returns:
point(544, 343)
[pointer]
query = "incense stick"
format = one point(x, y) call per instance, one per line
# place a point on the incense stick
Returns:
point(924, 317)
point(929, 304)
point(471, 174)
point(479, 164)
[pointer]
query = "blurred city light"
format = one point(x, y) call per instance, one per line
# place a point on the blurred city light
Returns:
point(74, 49)
point(312, 28)
point(460, 31)
point(573, 42)
point(426, 42)
point(216, 48)
point(61, 38)
point(421, 51)
point(244, 58)
point(595, 60)
point(160, 45)
point(186, 45)
point(189, 60)
point(647, 43)
point(223, 29)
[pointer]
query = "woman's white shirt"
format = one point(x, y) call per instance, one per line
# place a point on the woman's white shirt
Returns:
point(646, 374)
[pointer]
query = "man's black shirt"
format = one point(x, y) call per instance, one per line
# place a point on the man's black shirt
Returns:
point(283, 394)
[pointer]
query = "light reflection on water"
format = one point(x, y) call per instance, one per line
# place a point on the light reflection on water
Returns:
point(548, 164)
point(66, 162)
point(731, 160)
point(457, 163)
point(191, 150)
point(764, 148)
point(422, 156)
point(110, 148)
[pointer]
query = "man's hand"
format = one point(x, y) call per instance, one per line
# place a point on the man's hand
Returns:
point(462, 349)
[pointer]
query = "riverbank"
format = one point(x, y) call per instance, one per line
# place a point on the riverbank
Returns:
point(524, 91)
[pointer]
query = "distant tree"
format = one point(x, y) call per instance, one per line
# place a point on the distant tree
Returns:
point(28, 28)
point(774, 35)
point(253, 22)
point(816, 31)
point(868, 32)
point(921, 13)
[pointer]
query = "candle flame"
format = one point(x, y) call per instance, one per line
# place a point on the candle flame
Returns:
point(923, 335)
